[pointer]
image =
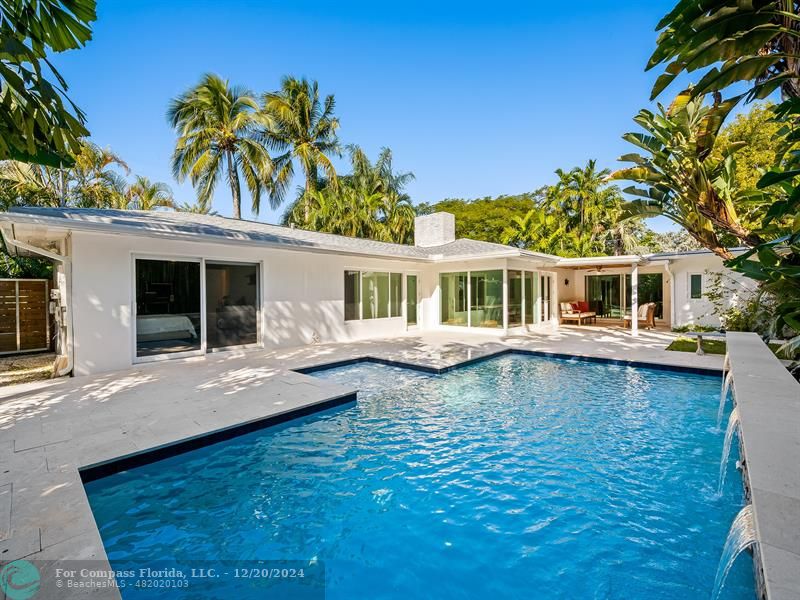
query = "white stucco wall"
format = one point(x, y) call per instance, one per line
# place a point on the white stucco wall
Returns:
point(700, 311)
point(302, 294)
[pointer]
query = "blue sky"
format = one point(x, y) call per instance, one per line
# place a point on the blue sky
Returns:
point(474, 99)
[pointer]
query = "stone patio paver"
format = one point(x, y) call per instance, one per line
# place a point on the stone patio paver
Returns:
point(48, 430)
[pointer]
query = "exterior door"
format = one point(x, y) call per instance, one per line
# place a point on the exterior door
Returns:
point(232, 304)
point(545, 287)
point(411, 300)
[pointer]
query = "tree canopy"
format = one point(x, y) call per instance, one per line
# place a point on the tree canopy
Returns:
point(369, 202)
point(485, 218)
point(578, 215)
point(39, 124)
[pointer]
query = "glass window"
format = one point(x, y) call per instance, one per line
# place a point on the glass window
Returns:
point(453, 299)
point(396, 285)
point(231, 305)
point(696, 285)
point(352, 295)
point(486, 303)
point(374, 295)
point(167, 307)
point(411, 299)
point(514, 298)
point(531, 280)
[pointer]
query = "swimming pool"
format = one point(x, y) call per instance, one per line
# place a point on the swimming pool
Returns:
point(516, 477)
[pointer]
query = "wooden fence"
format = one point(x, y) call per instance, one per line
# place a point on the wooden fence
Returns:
point(24, 315)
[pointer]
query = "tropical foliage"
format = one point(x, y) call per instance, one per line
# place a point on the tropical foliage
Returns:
point(580, 215)
point(682, 178)
point(302, 127)
point(370, 202)
point(220, 131)
point(97, 179)
point(754, 132)
point(148, 195)
point(732, 42)
point(756, 44)
point(38, 122)
point(198, 208)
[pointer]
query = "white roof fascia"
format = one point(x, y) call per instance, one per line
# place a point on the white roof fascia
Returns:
point(118, 229)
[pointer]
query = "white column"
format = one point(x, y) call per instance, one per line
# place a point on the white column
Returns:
point(635, 300)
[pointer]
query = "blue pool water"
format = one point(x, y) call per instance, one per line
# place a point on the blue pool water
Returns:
point(518, 477)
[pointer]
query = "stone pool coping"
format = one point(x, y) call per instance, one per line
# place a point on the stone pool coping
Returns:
point(768, 401)
point(434, 370)
point(86, 424)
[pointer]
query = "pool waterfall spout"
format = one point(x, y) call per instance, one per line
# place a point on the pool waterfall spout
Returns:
point(726, 384)
point(741, 536)
point(733, 423)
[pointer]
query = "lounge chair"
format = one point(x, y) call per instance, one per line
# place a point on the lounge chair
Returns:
point(646, 316)
point(577, 312)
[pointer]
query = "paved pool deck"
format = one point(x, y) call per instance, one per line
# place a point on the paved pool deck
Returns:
point(50, 430)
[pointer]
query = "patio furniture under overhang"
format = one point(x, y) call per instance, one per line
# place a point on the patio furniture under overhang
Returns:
point(627, 262)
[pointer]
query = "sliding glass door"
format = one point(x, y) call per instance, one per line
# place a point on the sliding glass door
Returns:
point(167, 307)
point(411, 300)
point(651, 289)
point(514, 298)
point(544, 282)
point(486, 302)
point(170, 316)
point(231, 304)
point(453, 301)
point(604, 295)
point(531, 286)
point(608, 298)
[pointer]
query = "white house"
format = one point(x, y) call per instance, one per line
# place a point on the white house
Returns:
point(134, 286)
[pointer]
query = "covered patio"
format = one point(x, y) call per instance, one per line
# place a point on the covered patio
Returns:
point(615, 288)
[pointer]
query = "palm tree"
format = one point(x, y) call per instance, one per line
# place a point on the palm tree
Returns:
point(370, 202)
point(149, 195)
point(683, 180)
point(31, 184)
point(303, 128)
point(95, 180)
point(539, 230)
point(219, 131)
point(198, 208)
point(583, 196)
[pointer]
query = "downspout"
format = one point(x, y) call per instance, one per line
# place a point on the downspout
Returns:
point(671, 295)
point(67, 263)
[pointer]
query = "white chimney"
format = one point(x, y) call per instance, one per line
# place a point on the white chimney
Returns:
point(434, 229)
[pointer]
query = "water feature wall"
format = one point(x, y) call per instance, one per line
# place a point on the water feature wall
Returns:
point(726, 386)
point(766, 412)
point(733, 424)
point(741, 536)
